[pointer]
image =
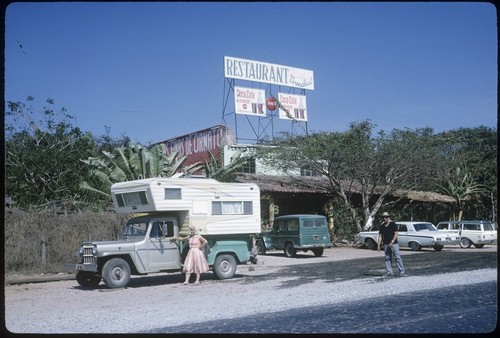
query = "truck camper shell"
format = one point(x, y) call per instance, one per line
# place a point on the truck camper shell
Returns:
point(211, 206)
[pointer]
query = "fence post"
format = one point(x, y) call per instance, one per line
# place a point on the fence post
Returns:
point(44, 251)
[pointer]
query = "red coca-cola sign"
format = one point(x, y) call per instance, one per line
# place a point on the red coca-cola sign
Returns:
point(271, 104)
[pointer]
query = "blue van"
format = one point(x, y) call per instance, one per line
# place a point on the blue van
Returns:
point(292, 233)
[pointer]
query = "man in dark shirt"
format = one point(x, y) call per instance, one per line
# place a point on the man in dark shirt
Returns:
point(388, 235)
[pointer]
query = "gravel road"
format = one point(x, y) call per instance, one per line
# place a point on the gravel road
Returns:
point(276, 283)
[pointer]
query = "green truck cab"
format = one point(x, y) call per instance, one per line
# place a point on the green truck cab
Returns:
point(292, 233)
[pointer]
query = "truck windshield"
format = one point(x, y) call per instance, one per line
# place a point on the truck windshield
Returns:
point(135, 229)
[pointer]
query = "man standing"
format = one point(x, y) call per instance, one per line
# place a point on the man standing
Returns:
point(388, 235)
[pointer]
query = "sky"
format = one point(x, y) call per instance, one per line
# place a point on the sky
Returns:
point(155, 71)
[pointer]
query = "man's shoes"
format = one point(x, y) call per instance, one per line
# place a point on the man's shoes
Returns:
point(403, 274)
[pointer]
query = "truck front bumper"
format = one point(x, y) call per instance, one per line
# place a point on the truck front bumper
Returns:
point(80, 267)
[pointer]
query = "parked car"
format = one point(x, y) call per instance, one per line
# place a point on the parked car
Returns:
point(477, 233)
point(414, 235)
point(292, 233)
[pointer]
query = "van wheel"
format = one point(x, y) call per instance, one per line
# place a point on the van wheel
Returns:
point(318, 252)
point(465, 243)
point(289, 250)
point(414, 246)
point(261, 247)
point(116, 273)
point(225, 266)
point(88, 279)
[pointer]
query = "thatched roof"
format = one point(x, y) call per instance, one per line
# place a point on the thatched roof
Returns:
point(320, 185)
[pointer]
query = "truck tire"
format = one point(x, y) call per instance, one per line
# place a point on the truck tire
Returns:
point(318, 252)
point(116, 273)
point(88, 279)
point(261, 247)
point(289, 250)
point(225, 266)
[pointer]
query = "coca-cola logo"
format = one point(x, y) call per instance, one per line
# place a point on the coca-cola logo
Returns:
point(271, 104)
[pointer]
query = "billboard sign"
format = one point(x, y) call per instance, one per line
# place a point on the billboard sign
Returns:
point(292, 107)
point(249, 101)
point(257, 71)
point(195, 146)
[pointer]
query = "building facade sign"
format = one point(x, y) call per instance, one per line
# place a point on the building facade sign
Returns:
point(195, 146)
point(249, 101)
point(295, 107)
point(257, 71)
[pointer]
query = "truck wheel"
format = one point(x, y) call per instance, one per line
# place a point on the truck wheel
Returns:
point(370, 244)
point(465, 243)
point(116, 273)
point(225, 266)
point(318, 252)
point(289, 250)
point(88, 279)
point(438, 247)
point(261, 247)
point(414, 246)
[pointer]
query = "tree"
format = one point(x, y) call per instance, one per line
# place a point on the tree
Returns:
point(215, 169)
point(358, 164)
point(42, 156)
point(461, 186)
point(470, 160)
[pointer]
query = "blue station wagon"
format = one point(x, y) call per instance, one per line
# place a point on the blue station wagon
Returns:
point(292, 233)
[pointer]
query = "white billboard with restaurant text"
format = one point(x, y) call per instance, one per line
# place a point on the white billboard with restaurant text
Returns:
point(257, 71)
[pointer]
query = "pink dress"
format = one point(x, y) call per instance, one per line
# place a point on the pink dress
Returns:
point(195, 261)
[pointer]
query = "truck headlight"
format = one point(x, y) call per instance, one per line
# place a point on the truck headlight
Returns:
point(94, 250)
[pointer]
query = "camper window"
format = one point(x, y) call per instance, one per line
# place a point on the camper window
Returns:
point(232, 208)
point(173, 194)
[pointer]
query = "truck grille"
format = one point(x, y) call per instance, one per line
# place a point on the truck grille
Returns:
point(88, 257)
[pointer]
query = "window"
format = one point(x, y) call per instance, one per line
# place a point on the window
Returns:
point(247, 168)
point(132, 198)
point(319, 223)
point(173, 194)
point(402, 227)
point(232, 208)
point(308, 223)
point(308, 172)
point(293, 224)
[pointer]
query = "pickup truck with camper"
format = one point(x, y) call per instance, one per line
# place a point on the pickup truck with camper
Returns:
point(414, 235)
point(477, 233)
point(292, 233)
point(226, 214)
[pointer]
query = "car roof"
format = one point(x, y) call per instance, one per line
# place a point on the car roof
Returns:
point(303, 216)
point(463, 222)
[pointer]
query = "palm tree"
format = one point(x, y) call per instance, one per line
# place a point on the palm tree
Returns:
point(462, 187)
point(225, 173)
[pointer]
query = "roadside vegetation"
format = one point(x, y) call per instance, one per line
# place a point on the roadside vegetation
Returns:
point(58, 177)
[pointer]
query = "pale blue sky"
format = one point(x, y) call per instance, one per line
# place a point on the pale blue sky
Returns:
point(153, 71)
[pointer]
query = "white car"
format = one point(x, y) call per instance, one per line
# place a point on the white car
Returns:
point(414, 235)
point(477, 233)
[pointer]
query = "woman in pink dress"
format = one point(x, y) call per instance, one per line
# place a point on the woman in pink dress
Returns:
point(195, 261)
